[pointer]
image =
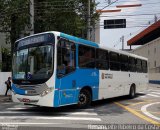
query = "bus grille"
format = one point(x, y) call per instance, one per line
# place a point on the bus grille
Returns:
point(32, 90)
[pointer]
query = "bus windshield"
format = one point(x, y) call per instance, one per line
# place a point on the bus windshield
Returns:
point(33, 63)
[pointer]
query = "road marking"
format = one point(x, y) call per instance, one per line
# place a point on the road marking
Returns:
point(83, 113)
point(153, 95)
point(51, 118)
point(26, 123)
point(141, 92)
point(142, 96)
point(144, 110)
point(148, 111)
point(133, 104)
point(18, 108)
point(59, 113)
point(138, 114)
point(154, 90)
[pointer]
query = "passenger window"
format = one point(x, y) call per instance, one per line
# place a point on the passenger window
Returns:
point(114, 61)
point(86, 57)
point(139, 65)
point(132, 64)
point(124, 62)
point(66, 61)
point(102, 61)
point(144, 66)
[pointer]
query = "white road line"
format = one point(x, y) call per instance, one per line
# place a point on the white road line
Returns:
point(141, 92)
point(10, 112)
point(153, 95)
point(19, 108)
point(144, 110)
point(142, 96)
point(26, 123)
point(51, 118)
point(155, 92)
point(60, 113)
point(83, 113)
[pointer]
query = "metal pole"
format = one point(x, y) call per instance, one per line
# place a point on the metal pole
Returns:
point(32, 16)
point(88, 20)
point(122, 42)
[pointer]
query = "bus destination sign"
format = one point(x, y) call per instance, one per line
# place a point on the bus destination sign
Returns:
point(35, 39)
point(31, 40)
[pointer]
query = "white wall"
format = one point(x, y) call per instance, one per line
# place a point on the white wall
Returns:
point(3, 77)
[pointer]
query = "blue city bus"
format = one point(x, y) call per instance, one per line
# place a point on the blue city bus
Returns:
point(55, 69)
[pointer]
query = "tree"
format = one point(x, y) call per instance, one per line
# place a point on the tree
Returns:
point(68, 16)
point(14, 18)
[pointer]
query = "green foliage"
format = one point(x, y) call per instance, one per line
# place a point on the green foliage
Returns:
point(5, 65)
point(68, 16)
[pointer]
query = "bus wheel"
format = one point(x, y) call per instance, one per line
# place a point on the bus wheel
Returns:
point(84, 98)
point(132, 92)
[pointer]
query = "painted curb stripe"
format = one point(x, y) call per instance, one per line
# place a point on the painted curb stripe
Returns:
point(138, 114)
point(144, 110)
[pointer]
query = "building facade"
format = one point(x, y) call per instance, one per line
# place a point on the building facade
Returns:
point(150, 41)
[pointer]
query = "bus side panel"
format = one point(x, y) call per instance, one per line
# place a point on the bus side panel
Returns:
point(70, 85)
point(112, 83)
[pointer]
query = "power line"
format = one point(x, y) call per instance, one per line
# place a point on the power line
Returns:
point(131, 15)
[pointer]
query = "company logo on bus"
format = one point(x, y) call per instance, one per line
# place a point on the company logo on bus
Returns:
point(107, 76)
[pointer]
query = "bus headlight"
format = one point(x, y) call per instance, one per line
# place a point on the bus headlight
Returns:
point(45, 92)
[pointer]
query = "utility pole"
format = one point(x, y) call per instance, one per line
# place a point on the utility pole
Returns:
point(89, 20)
point(32, 16)
point(122, 39)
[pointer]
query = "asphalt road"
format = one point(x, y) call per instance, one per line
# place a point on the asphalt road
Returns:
point(144, 111)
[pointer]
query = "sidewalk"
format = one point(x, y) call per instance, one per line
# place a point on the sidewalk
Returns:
point(155, 86)
point(5, 98)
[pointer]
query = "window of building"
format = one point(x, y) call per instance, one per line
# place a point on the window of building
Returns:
point(132, 64)
point(124, 62)
point(114, 61)
point(86, 57)
point(66, 60)
point(102, 61)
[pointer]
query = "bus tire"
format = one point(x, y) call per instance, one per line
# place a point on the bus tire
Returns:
point(84, 98)
point(132, 92)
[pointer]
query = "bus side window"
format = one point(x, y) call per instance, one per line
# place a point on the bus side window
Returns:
point(102, 61)
point(139, 65)
point(144, 66)
point(66, 62)
point(124, 62)
point(86, 56)
point(114, 61)
point(132, 64)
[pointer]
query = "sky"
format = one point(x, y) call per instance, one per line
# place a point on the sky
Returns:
point(136, 22)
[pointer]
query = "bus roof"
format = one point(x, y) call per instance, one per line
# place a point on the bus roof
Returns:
point(82, 41)
point(79, 40)
point(86, 42)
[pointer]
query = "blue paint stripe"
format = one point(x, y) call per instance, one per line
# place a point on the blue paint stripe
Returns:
point(17, 90)
point(154, 81)
point(79, 40)
point(56, 98)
